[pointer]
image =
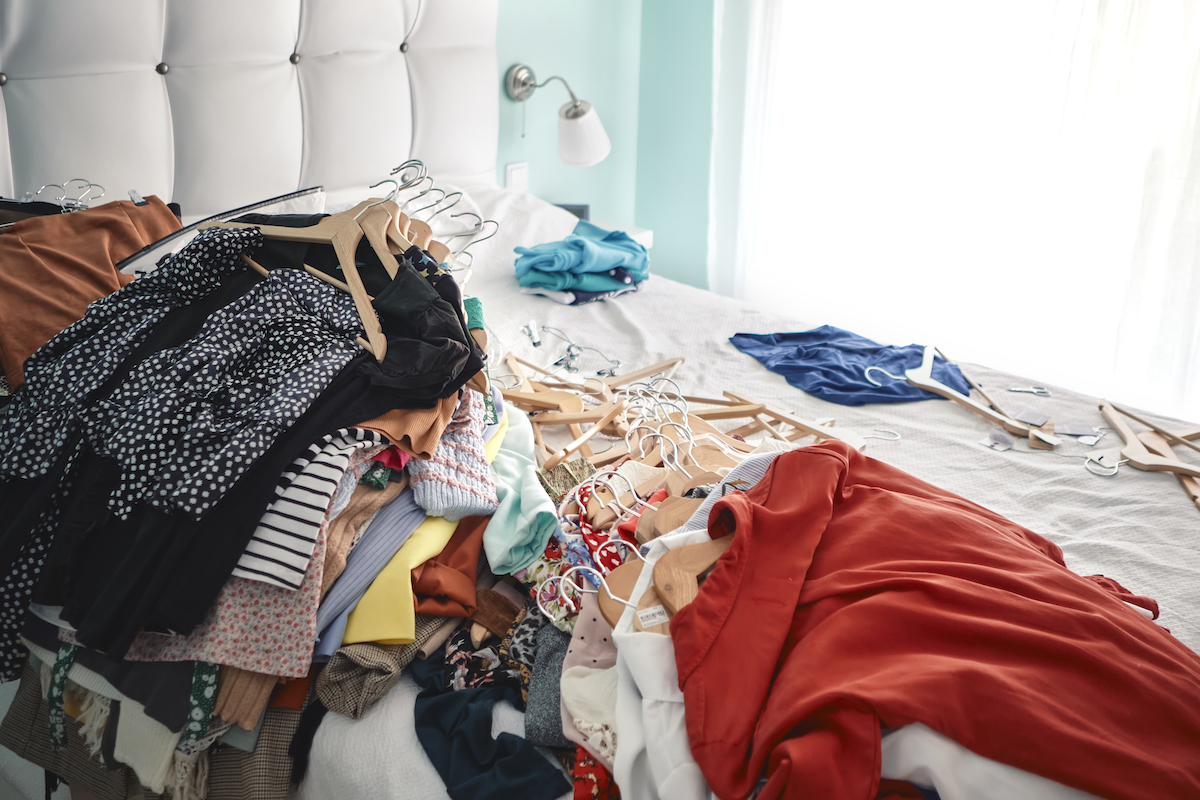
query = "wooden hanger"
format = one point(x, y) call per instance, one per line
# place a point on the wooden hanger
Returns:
point(375, 223)
point(621, 583)
point(603, 507)
point(648, 602)
point(922, 377)
point(1136, 453)
point(679, 484)
point(561, 455)
point(667, 368)
point(1161, 447)
point(342, 231)
point(673, 512)
point(677, 573)
point(820, 431)
point(420, 233)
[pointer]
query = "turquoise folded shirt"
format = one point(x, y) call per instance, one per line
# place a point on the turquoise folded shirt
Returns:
point(582, 260)
point(521, 527)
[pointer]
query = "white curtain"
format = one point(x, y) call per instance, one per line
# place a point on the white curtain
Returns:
point(1017, 183)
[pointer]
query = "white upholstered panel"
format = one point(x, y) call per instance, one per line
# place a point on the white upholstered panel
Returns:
point(254, 98)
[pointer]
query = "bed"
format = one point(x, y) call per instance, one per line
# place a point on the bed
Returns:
point(340, 94)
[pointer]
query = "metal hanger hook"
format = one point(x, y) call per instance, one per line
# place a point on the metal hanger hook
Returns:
point(379, 202)
point(867, 375)
point(458, 196)
point(470, 231)
point(420, 194)
point(431, 205)
point(895, 437)
point(474, 242)
point(614, 542)
point(412, 163)
point(392, 194)
point(599, 576)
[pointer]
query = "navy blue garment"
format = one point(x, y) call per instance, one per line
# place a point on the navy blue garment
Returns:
point(830, 363)
point(455, 728)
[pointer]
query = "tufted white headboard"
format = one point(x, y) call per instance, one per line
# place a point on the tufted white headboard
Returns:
point(218, 103)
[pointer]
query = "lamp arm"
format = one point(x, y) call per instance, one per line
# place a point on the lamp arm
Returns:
point(574, 99)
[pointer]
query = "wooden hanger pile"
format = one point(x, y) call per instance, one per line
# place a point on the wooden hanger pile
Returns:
point(551, 401)
point(388, 230)
point(684, 450)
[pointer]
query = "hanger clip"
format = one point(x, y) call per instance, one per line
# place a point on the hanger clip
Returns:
point(531, 329)
point(137, 199)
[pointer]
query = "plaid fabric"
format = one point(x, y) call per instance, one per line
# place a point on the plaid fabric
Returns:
point(358, 675)
point(264, 774)
point(232, 774)
point(25, 731)
point(565, 477)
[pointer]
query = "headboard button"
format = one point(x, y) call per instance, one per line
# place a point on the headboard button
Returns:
point(294, 58)
point(162, 68)
point(404, 47)
point(3, 79)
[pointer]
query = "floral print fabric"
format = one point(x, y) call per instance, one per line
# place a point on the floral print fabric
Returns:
point(253, 626)
point(201, 703)
point(591, 780)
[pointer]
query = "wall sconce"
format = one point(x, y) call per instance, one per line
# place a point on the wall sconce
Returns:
point(582, 141)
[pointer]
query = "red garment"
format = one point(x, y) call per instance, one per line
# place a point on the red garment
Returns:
point(591, 780)
point(628, 528)
point(609, 558)
point(393, 457)
point(855, 594)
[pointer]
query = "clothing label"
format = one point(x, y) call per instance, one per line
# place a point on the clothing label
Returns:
point(1091, 440)
point(998, 440)
point(1034, 418)
point(1109, 459)
point(655, 615)
point(1076, 429)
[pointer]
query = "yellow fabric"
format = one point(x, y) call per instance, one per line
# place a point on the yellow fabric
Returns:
point(386, 613)
point(72, 707)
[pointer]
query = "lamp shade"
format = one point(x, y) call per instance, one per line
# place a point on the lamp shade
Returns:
point(582, 141)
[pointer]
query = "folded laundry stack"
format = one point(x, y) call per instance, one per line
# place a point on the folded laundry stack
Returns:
point(590, 264)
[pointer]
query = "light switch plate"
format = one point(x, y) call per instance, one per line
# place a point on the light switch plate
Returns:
point(516, 176)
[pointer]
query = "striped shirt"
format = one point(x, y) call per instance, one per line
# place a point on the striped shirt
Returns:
point(282, 545)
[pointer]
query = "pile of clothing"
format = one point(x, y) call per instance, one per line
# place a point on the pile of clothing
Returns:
point(212, 495)
point(591, 264)
point(244, 558)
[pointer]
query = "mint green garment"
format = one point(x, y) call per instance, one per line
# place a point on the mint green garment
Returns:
point(521, 527)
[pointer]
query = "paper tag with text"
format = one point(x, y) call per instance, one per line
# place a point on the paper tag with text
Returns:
point(655, 615)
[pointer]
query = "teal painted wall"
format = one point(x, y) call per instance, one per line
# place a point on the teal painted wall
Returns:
point(647, 67)
point(595, 46)
point(675, 135)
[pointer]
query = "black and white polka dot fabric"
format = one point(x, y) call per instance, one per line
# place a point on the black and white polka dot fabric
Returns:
point(186, 422)
point(62, 375)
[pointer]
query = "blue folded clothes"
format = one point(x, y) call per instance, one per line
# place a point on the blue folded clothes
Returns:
point(831, 363)
point(590, 259)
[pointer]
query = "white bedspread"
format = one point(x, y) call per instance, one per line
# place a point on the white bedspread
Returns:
point(1139, 528)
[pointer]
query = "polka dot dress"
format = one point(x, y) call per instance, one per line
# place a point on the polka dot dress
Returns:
point(186, 422)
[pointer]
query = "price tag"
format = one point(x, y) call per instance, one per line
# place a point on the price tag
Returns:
point(998, 440)
point(1075, 429)
point(655, 615)
point(1034, 418)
